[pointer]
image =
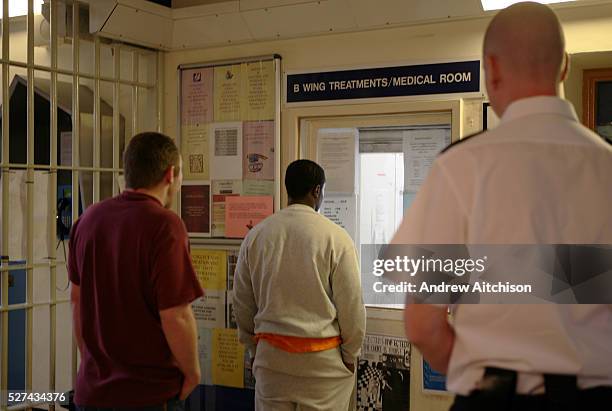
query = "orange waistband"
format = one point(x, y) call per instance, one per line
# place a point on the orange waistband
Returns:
point(299, 344)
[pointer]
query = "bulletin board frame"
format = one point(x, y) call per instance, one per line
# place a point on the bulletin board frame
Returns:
point(207, 239)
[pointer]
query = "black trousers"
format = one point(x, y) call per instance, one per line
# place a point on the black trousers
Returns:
point(562, 394)
point(592, 399)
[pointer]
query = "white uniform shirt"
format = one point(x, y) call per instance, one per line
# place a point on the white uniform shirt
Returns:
point(298, 275)
point(540, 177)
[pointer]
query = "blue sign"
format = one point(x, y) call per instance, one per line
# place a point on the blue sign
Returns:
point(443, 78)
point(433, 380)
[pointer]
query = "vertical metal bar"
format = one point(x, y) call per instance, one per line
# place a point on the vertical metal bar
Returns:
point(135, 111)
point(76, 124)
point(97, 121)
point(116, 116)
point(179, 124)
point(277, 134)
point(30, 195)
point(160, 85)
point(5, 201)
point(53, 202)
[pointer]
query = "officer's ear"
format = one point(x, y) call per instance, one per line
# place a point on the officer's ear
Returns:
point(492, 71)
point(565, 67)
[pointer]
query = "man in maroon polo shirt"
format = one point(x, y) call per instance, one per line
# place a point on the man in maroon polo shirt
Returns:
point(132, 285)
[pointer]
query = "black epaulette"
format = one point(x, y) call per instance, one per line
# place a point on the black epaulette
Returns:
point(463, 140)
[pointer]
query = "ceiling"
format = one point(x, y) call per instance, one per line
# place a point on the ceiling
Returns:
point(211, 23)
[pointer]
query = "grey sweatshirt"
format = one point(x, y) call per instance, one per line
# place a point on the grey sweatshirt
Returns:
point(298, 275)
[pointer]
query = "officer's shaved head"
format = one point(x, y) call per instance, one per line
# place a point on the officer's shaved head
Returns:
point(524, 48)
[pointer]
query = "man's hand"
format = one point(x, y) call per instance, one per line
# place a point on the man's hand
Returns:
point(350, 366)
point(428, 329)
point(189, 384)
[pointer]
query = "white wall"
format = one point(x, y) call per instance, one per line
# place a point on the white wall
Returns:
point(587, 29)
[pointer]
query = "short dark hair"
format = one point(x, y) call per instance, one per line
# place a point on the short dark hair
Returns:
point(147, 157)
point(301, 177)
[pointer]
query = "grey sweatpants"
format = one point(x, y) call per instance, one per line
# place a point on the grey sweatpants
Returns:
point(301, 382)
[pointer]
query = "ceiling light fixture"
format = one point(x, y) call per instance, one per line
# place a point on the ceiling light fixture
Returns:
point(502, 4)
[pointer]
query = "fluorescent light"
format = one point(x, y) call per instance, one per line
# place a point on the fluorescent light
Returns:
point(20, 7)
point(502, 4)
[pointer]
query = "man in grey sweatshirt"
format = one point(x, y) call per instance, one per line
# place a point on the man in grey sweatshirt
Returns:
point(298, 302)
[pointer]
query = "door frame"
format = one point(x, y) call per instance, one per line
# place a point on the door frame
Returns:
point(590, 79)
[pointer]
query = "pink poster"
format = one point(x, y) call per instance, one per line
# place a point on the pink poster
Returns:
point(244, 212)
point(258, 150)
point(197, 96)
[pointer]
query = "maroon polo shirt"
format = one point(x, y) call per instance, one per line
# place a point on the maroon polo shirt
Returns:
point(130, 257)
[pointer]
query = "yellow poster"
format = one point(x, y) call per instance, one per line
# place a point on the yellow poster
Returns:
point(211, 268)
point(195, 152)
point(228, 93)
point(260, 83)
point(218, 218)
point(227, 358)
